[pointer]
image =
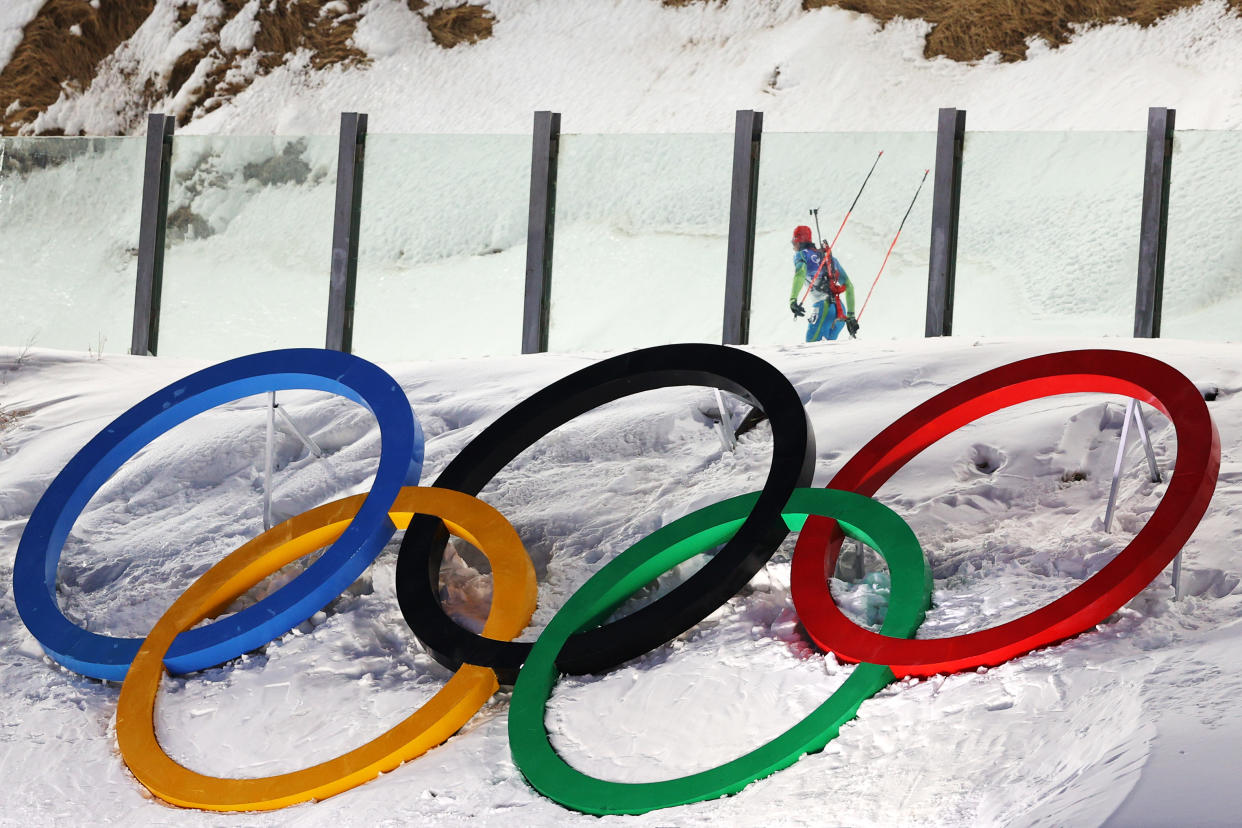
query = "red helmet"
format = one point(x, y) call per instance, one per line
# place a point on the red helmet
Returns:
point(802, 234)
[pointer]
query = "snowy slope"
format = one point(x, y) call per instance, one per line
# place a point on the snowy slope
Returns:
point(1134, 721)
point(638, 66)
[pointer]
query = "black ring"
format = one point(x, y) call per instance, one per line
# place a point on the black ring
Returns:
point(600, 649)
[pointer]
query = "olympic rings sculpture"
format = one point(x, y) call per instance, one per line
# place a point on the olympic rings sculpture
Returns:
point(1168, 528)
point(442, 716)
point(38, 552)
point(602, 648)
point(749, 528)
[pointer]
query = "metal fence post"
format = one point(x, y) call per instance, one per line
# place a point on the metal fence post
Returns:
point(154, 221)
point(1155, 221)
point(946, 199)
point(346, 222)
point(739, 266)
point(540, 227)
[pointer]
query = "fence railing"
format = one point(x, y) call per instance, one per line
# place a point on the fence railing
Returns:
point(216, 246)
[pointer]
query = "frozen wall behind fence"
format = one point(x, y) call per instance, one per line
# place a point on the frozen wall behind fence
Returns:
point(1203, 271)
point(1049, 232)
point(441, 257)
point(248, 241)
point(1048, 243)
point(69, 241)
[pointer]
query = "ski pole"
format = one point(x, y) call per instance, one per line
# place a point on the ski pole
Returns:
point(853, 204)
point(815, 215)
point(894, 243)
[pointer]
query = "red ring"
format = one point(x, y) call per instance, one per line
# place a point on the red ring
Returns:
point(1114, 372)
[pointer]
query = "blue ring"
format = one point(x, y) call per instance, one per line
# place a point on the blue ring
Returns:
point(38, 553)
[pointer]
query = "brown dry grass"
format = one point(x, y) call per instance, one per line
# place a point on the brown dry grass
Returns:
point(466, 23)
point(968, 30)
point(51, 58)
point(10, 417)
point(283, 28)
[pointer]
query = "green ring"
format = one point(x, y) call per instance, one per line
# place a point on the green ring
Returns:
point(869, 521)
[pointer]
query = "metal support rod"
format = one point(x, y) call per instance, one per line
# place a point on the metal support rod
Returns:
point(267, 461)
point(725, 424)
point(540, 226)
point(739, 266)
point(274, 408)
point(850, 566)
point(310, 444)
point(1121, 454)
point(1133, 414)
point(1155, 222)
point(346, 223)
point(1145, 439)
point(1154, 470)
point(946, 201)
point(1177, 576)
point(154, 222)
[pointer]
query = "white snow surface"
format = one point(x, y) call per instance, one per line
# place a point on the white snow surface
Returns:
point(638, 66)
point(14, 16)
point(1133, 723)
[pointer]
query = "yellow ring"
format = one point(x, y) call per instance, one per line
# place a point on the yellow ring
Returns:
point(513, 601)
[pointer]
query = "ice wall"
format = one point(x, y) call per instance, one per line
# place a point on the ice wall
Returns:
point(1048, 242)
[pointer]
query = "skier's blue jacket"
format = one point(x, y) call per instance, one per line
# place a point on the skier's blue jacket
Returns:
point(806, 265)
point(824, 322)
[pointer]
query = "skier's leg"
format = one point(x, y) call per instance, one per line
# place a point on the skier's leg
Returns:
point(834, 325)
point(815, 327)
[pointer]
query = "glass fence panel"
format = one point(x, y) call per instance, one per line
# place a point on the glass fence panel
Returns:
point(1203, 253)
point(249, 244)
point(1048, 242)
point(69, 217)
point(800, 172)
point(642, 227)
point(443, 238)
point(1049, 235)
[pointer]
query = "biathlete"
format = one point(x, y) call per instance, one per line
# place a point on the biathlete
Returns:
point(828, 281)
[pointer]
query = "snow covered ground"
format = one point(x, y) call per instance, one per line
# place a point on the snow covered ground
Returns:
point(1133, 723)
